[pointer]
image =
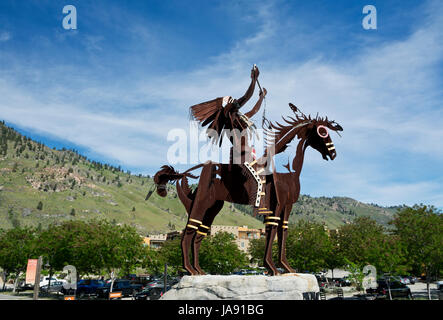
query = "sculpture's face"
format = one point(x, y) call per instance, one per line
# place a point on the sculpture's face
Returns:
point(319, 138)
point(227, 100)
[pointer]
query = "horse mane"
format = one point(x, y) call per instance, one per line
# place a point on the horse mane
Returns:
point(278, 136)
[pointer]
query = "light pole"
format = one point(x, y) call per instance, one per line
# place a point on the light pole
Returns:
point(48, 266)
point(37, 278)
point(388, 283)
point(165, 280)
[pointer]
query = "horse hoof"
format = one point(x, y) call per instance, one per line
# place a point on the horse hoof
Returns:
point(192, 272)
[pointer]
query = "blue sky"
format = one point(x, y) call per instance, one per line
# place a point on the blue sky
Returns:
point(117, 85)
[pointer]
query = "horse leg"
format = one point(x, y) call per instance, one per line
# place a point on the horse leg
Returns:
point(271, 229)
point(203, 231)
point(282, 236)
point(187, 236)
point(201, 203)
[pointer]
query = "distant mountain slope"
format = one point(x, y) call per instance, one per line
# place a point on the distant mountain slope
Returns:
point(71, 187)
point(338, 210)
point(335, 211)
point(40, 185)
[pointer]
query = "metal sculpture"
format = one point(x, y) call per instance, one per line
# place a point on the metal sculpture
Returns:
point(222, 117)
point(272, 194)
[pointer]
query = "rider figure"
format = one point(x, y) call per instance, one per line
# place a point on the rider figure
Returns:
point(223, 115)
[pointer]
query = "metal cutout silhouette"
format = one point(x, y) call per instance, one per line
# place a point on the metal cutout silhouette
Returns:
point(272, 194)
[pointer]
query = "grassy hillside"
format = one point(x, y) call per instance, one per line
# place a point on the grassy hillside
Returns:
point(335, 211)
point(338, 210)
point(69, 186)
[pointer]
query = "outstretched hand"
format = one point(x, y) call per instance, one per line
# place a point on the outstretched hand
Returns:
point(254, 72)
point(264, 92)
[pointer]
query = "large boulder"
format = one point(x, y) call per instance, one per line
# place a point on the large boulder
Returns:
point(290, 286)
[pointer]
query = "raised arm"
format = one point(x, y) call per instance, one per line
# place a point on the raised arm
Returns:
point(254, 76)
point(257, 106)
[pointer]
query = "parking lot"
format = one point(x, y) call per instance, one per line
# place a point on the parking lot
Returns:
point(418, 290)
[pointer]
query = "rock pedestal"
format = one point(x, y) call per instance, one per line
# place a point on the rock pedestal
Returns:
point(292, 286)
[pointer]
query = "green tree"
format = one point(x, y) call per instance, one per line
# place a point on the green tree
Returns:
point(356, 274)
point(364, 242)
point(257, 251)
point(219, 254)
point(392, 257)
point(128, 249)
point(335, 258)
point(359, 241)
point(17, 245)
point(420, 230)
point(55, 245)
point(153, 262)
point(170, 253)
point(15, 222)
point(92, 247)
point(307, 246)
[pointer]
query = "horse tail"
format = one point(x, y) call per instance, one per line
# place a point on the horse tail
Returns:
point(167, 174)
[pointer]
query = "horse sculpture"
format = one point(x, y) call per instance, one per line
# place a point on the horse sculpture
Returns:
point(227, 182)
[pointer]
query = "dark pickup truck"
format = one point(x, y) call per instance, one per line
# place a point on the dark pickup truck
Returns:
point(123, 286)
point(89, 286)
point(398, 290)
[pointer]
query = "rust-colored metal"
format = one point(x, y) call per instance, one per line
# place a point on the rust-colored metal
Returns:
point(233, 182)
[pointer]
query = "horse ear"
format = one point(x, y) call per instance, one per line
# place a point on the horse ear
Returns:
point(294, 108)
point(336, 126)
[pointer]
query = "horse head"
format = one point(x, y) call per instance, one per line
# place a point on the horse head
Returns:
point(314, 132)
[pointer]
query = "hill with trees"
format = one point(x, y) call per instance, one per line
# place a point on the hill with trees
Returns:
point(40, 185)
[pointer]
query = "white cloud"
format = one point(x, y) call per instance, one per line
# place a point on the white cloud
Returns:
point(5, 36)
point(387, 99)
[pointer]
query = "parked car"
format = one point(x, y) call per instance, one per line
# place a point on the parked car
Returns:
point(123, 286)
point(24, 287)
point(412, 279)
point(157, 281)
point(45, 280)
point(55, 287)
point(143, 280)
point(404, 279)
point(398, 289)
point(440, 285)
point(322, 281)
point(342, 282)
point(246, 272)
point(151, 293)
point(262, 271)
point(89, 286)
point(174, 281)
